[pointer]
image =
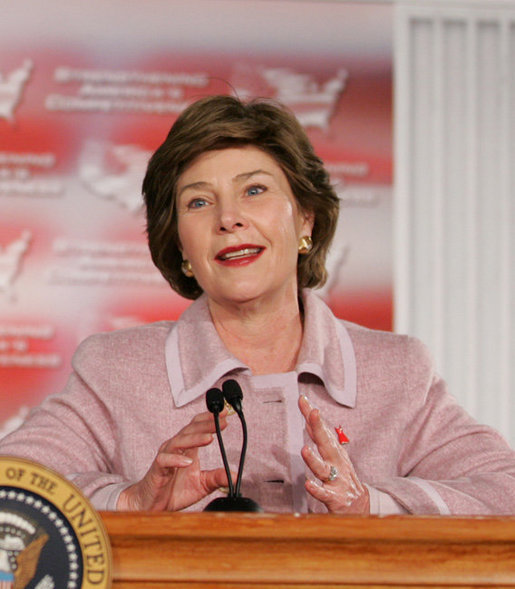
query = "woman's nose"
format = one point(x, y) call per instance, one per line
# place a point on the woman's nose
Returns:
point(231, 218)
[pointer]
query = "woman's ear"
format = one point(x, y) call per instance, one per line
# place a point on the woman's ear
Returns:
point(308, 222)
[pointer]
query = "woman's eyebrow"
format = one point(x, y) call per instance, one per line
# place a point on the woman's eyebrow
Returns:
point(193, 185)
point(247, 175)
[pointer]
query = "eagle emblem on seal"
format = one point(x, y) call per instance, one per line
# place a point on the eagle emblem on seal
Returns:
point(21, 542)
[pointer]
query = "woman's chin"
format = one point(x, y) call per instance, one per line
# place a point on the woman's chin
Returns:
point(246, 295)
point(238, 297)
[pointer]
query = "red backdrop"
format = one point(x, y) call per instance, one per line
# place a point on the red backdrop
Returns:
point(88, 90)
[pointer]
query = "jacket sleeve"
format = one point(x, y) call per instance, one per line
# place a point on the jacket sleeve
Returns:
point(74, 433)
point(449, 463)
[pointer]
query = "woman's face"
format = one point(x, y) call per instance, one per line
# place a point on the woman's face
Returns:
point(239, 225)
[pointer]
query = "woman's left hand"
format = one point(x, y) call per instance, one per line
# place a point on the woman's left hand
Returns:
point(344, 493)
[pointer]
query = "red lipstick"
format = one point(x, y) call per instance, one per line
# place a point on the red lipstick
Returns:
point(239, 255)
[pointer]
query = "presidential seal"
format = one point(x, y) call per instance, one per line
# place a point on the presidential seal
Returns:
point(50, 535)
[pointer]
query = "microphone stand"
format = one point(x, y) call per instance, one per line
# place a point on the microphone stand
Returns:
point(215, 404)
point(234, 501)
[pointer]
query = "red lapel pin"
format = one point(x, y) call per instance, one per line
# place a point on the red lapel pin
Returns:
point(342, 438)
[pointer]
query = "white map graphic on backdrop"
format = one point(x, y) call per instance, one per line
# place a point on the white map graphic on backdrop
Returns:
point(11, 89)
point(124, 187)
point(11, 257)
point(312, 102)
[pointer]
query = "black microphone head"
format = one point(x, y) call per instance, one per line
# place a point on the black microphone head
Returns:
point(215, 400)
point(233, 394)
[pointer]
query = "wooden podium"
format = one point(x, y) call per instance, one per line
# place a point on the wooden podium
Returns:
point(215, 550)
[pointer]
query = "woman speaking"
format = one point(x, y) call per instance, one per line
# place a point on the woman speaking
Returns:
point(240, 216)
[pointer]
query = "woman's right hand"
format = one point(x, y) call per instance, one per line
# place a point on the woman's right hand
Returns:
point(175, 480)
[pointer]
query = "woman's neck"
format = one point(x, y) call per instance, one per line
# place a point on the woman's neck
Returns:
point(265, 335)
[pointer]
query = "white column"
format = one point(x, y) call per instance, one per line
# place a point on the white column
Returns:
point(455, 195)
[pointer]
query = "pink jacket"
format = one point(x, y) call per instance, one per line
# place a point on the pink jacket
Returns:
point(410, 442)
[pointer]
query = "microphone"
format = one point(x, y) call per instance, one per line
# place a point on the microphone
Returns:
point(215, 403)
point(234, 395)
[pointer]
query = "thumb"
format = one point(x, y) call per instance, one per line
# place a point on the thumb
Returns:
point(216, 478)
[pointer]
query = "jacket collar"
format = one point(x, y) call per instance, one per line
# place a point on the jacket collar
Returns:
point(196, 358)
point(327, 350)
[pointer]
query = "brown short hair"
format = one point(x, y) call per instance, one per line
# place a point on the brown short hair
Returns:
point(218, 122)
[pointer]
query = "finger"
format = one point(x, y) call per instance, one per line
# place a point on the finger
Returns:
point(186, 441)
point(324, 438)
point(207, 415)
point(214, 479)
point(316, 427)
point(321, 436)
point(318, 491)
point(223, 421)
point(306, 408)
point(204, 422)
point(338, 501)
point(317, 466)
point(331, 498)
point(167, 461)
point(322, 469)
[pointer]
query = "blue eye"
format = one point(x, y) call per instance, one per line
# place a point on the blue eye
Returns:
point(255, 190)
point(197, 203)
